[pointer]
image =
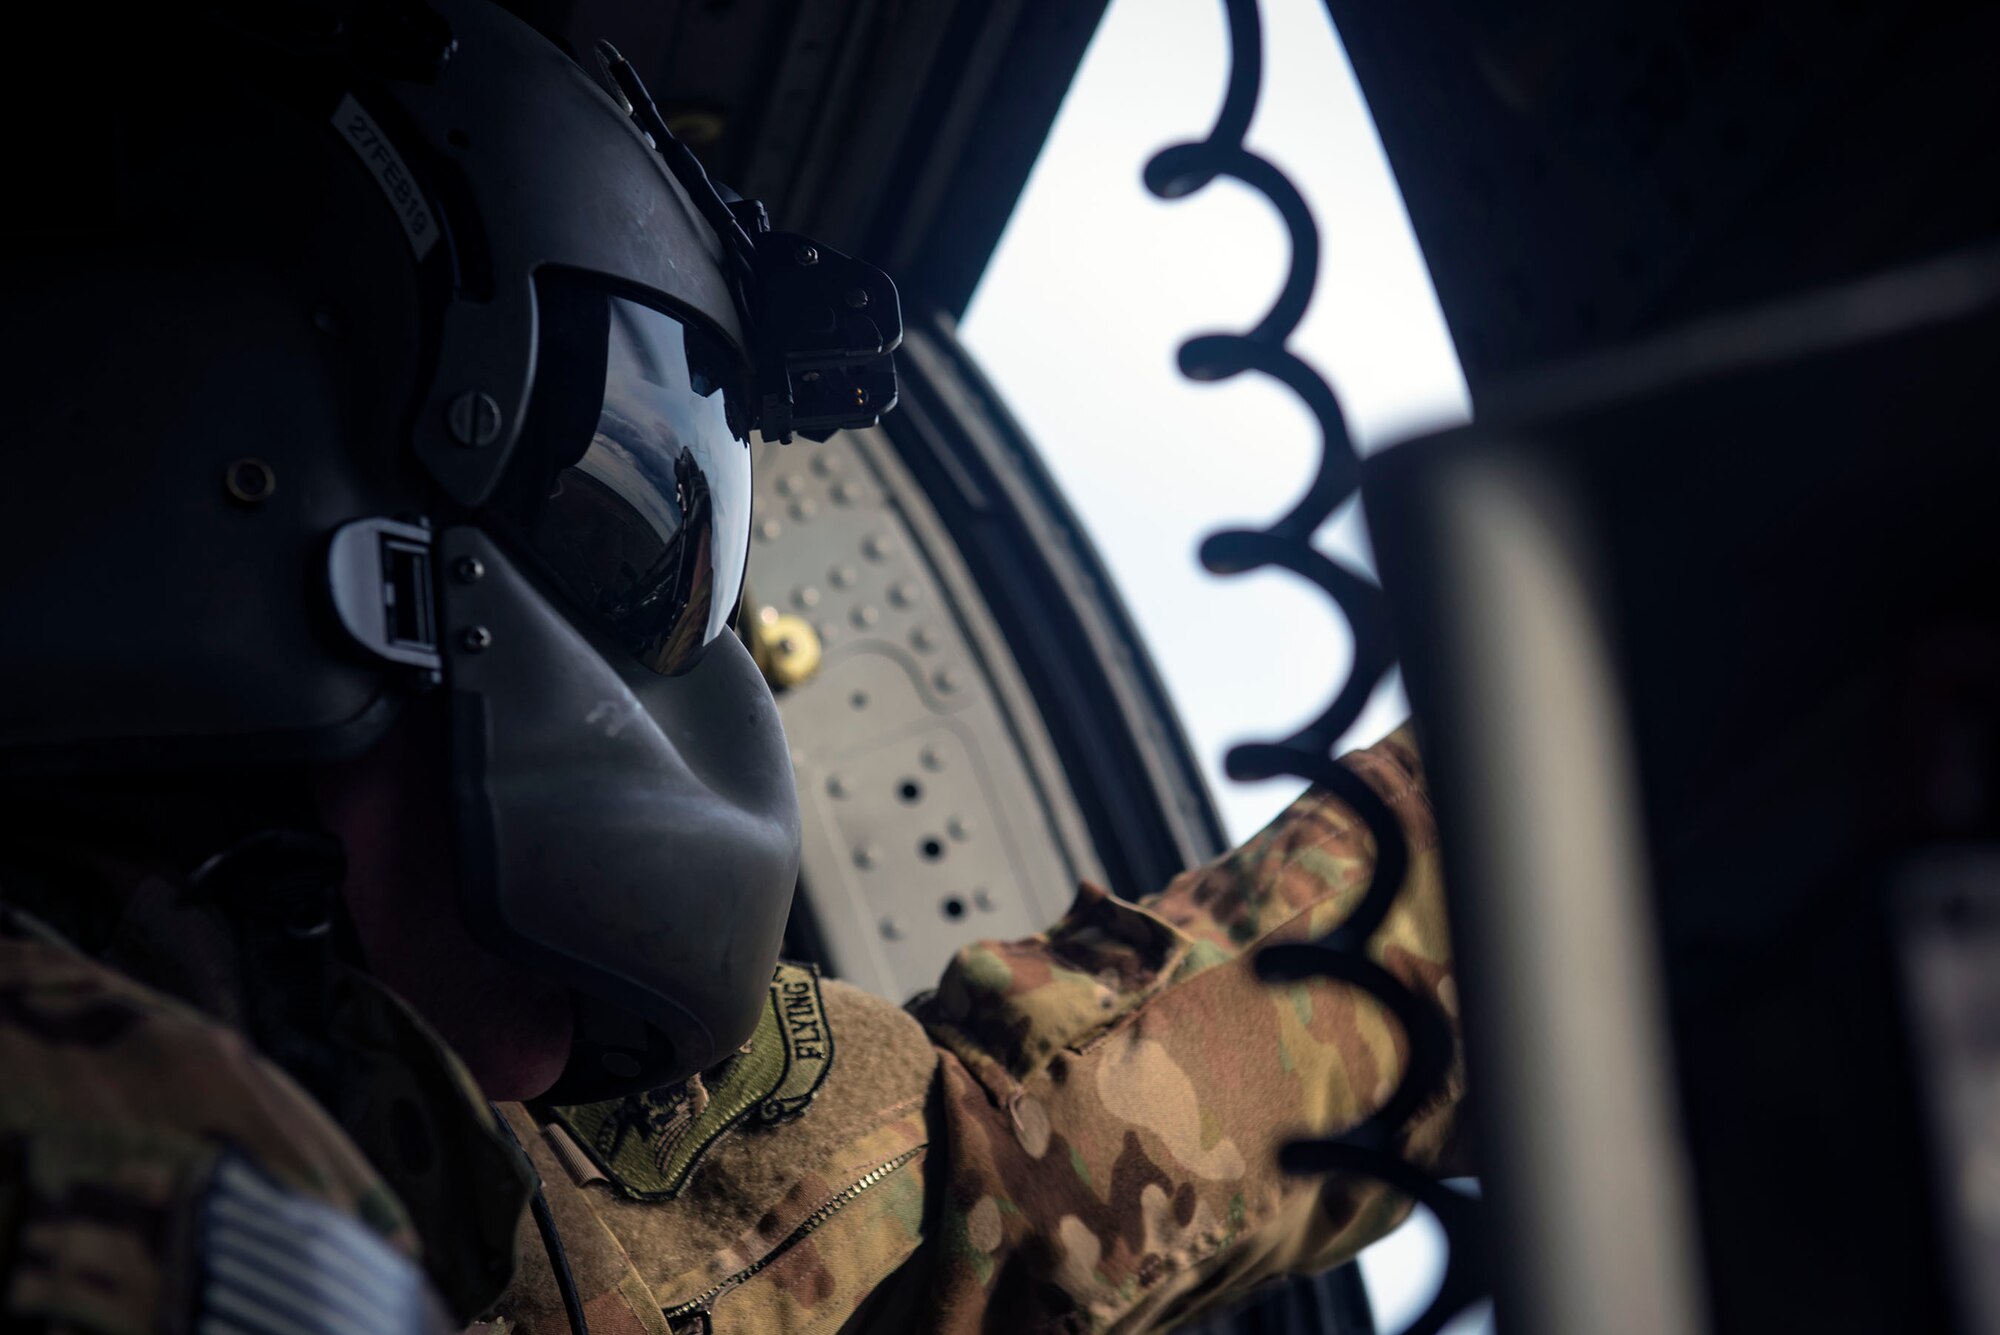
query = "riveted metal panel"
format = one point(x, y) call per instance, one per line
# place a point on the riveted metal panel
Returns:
point(934, 811)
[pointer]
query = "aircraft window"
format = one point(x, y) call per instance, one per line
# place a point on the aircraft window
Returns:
point(1095, 284)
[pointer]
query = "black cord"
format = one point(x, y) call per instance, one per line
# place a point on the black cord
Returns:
point(1369, 1148)
point(545, 1223)
point(552, 1244)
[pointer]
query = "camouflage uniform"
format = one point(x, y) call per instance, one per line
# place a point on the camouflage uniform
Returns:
point(1074, 1132)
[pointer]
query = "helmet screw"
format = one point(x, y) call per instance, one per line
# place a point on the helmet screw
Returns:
point(857, 298)
point(476, 639)
point(249, 481)
point(474, 419)
point(469, 569)
point(807, 256)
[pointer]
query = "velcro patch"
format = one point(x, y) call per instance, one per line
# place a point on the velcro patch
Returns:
point(649, 1145)
point(277, 1263)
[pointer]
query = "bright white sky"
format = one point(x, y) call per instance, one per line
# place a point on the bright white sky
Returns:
point(1094, 286)
point(1096, 283)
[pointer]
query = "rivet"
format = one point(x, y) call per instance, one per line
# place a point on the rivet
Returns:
point(250, 481)
point(469, 569)
point(903, 593)
point(945, 680)
point(804, 509)
point(805, 596)
point(474, 419)
point(824, 464)
point(923, 639)
point(892, 930)
point(837, 785)
point(769, 529)
point(476, 639)
point(982, 900)
point(857, 298)
point(846, 493)
point(867, 856)
point(876, 546)
point(958, 828)
point(864, 616)
point(807, 256)
point(931, 759)
point(842, 577)
point(790, 484)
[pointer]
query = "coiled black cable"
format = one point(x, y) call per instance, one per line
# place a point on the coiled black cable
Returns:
point(1368, 1148)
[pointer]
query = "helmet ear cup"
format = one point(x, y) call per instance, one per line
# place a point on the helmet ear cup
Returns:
point(200, 391)
point(166, 521)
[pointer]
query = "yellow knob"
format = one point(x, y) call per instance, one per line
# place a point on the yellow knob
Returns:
point(786, 647)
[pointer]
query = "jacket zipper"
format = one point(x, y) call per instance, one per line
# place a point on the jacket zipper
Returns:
point(821, 1213)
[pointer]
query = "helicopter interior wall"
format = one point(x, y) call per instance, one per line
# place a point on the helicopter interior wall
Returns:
point(1782, 523)
point(899, 133)
point(935, 811)
point(1580, 175)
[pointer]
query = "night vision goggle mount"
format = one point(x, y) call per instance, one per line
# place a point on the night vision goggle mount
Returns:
point(824, 326)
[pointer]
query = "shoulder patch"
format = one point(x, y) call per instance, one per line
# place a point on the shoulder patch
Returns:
point(650, 1144)
point(274, 1262)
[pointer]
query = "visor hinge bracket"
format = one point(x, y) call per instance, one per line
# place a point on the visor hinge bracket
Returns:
point(382, 576)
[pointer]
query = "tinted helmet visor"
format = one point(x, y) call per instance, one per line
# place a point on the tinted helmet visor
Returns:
point(632, 485)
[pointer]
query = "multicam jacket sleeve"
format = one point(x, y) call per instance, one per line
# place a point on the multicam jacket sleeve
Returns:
point(1115, 1092)
point(1076, 1132)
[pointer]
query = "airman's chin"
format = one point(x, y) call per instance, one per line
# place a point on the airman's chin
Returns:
point(520, 1054)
